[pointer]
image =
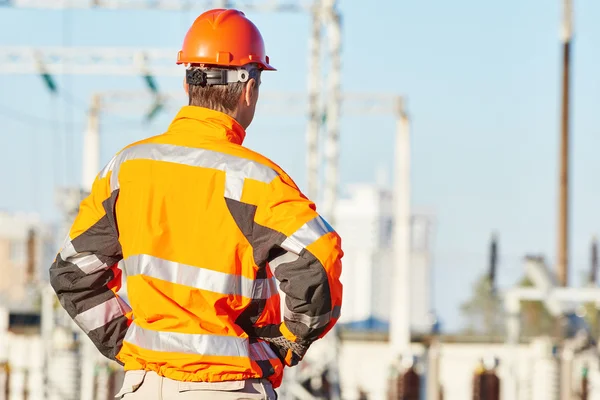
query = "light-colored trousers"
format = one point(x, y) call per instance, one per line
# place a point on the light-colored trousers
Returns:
point(148, 385)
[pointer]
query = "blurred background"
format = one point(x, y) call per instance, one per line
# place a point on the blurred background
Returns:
point(453, 145)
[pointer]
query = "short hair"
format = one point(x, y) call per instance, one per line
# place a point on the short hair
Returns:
point(223, 98)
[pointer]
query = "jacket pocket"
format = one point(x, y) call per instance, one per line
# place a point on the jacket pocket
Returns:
point(131, 382)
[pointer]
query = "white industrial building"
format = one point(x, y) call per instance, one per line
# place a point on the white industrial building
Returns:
point(18, 271)
point(364, 220)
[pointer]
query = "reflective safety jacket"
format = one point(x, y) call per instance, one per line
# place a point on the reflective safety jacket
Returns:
point(204, 229)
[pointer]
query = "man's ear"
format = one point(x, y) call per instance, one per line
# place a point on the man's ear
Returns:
point(250, 92)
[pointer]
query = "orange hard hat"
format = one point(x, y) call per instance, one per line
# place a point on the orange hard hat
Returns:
point(224, 37)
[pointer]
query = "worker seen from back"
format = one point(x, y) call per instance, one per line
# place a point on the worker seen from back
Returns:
point(205, 231)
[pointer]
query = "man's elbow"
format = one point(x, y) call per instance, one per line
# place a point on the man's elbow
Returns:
point(61, 279)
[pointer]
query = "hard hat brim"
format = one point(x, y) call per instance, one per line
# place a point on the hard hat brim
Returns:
point(263, 66)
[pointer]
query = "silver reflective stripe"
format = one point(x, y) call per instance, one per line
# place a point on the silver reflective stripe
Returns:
point(306, 235)
point(261, 351)
point(68, 250)
point(236, 168)
point(264, 288)
point(88, 263)
point(101, 315)
point(109, 167)
point(283, 259)
point(312, 322)
point(189, 343)
point(199, 278)
point(234, 186)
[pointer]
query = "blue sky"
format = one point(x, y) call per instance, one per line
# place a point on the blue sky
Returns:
point(482, 81)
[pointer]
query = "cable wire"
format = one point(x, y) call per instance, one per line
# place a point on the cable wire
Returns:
point(69, 158)
point(56, 145)
point(35, 168)
point(35, 121)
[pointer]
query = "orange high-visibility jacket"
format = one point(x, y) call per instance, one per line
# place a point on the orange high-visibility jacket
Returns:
point(204, 229)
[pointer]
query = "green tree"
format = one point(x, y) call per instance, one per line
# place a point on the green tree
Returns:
point(590, 312)
point(535, 318)
point(483, 311)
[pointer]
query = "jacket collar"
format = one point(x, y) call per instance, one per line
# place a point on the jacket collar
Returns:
point(207, 122)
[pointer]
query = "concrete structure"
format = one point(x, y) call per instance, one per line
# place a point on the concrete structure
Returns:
point(14, 258)
point(365, 364)
point(421, 268)
point(365, 222)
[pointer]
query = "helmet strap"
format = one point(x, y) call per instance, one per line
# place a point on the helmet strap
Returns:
point(199, 76)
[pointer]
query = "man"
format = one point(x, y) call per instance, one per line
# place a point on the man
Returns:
point(204, 229)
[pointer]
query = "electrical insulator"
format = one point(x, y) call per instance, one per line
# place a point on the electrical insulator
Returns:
point(477, 386)
point(409, 385)
point(584, 384)
point(486, 386)
point(5, 380)
point(25, 385)
point(362, 395)
point(31, 259)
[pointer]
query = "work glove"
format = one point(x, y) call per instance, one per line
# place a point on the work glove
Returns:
point(290, 353)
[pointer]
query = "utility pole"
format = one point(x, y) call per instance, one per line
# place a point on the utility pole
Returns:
point(563, 207)
point(493, 262)
point(91, 166)
point(432, 381)
point(594, 263)
point(91, 145)
point(315, 111)
point(332, 145)
point(401, 277)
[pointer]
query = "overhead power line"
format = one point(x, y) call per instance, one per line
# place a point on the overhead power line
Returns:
point(165, 5)
point(122, 61)
point(35, 121)
point(24, 118)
